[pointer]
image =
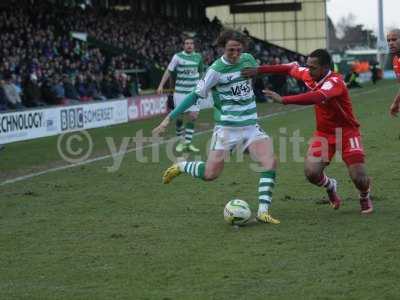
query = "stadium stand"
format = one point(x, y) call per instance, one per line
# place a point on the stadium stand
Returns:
point(42, 64)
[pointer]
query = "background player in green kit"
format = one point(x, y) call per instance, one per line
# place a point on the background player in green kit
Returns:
point(188, 67)
point(236, 121)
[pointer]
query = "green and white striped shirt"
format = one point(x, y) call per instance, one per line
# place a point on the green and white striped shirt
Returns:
point(188, 68)
point(234, 100)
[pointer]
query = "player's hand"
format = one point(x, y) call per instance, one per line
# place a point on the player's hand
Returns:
point(249, 72)
point(160, 90)
point(394, 108)
point(161, 128)
point(274, 96)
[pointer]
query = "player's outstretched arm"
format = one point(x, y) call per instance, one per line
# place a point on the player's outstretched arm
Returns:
point(395, 107)
point(310, 98)
point(185, 104)
point(268, 69)
point(162, 127)
point(276, 69)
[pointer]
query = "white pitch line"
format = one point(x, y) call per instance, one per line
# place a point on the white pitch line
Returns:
point(89, 161)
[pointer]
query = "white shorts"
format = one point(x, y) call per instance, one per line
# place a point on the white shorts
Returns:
point(239, 138)
point(178, 98)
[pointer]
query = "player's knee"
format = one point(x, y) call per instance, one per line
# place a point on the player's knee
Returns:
point(311, 175)
point(210, 176)
point(274, 163)
point(269, 163)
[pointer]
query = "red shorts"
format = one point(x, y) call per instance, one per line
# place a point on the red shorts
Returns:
point(323, 146)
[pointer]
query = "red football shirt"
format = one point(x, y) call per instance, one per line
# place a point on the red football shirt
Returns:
point(396, 66)
point(336, 110)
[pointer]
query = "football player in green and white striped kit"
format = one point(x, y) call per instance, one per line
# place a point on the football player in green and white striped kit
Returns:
point(188, 67)
point(236, 122)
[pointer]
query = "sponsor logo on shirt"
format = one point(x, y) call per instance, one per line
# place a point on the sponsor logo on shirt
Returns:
point(327, 86)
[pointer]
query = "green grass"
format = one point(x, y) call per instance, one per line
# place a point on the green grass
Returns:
point(85, 233)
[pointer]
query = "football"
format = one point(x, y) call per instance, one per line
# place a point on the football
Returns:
point(237, 212)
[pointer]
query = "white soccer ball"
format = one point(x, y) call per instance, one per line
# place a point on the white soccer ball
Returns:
point(237, 212)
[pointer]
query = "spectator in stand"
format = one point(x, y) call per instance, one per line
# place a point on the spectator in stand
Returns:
point(106, 86)
point(32, 95)
point(126, 91)
point(81, 88)
point(48, 94)
point(116, 87)
point(16, 80)
point(11, 94)
point(3, 100)
point(93, 88)
point(58, 90)
point(70, 92)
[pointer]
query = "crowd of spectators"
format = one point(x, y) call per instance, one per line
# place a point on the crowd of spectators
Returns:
point(42, 64)
point(154, 38)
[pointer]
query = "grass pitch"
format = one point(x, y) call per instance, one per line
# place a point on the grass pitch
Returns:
point(86, 233)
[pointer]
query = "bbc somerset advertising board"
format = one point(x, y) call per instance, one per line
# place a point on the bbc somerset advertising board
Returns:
point(93, 115)
point(32, 124)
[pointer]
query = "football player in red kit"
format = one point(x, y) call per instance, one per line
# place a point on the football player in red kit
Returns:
point(337, 127)
point(393, 39)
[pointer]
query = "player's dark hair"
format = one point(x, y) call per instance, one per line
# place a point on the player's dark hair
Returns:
point(323, 56)
point(232, 35)
point(185, 38)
